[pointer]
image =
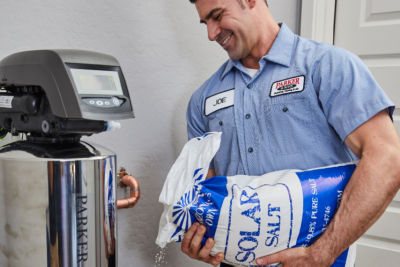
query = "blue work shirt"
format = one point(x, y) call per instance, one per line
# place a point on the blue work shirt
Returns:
point(295, 113)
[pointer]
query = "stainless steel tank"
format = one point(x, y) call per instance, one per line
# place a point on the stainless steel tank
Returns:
point(58, 205)
point(57, 193)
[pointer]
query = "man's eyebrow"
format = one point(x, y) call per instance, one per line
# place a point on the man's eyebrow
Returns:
point(210, 14)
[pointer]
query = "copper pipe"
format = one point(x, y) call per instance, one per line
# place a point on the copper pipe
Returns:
point(128, 180)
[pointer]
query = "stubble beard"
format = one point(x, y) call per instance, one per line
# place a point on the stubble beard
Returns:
point(237, 52)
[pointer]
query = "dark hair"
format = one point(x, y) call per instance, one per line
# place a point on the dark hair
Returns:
point(194, 1)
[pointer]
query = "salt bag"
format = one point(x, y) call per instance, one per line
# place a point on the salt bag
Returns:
point(248, 216)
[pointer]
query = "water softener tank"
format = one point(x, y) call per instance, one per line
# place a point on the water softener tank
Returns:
point(57, 193)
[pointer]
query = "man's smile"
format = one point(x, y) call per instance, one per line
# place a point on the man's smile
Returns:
point(224, 37)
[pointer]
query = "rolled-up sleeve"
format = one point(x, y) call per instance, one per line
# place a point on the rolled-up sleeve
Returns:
point(348, 93)
point(195, 123)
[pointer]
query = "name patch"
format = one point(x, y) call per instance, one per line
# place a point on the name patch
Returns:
point(287, 86)
point(219, 101)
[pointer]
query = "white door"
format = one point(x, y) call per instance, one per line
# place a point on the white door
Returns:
point(371, 29)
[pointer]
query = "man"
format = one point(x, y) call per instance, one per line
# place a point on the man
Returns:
point(284, 102)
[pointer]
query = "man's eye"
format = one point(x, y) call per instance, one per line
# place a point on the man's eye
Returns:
point(218, 17)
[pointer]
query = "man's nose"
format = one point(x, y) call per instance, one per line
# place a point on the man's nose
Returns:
point(213, 30)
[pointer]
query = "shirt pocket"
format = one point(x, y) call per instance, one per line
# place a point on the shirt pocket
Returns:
point(290, 127)
point(222, 120)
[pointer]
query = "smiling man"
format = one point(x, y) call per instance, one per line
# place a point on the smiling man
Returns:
point(285, 102)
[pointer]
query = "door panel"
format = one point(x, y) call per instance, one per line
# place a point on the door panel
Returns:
point(386, 70)
point(371, 29)
point(380, 253)
point(365, 26)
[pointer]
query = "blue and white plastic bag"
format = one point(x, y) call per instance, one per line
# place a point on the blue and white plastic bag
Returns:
point(248, 216)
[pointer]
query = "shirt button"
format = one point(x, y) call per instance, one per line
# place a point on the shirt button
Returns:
point(248, 116)
point(250, 150)
point(249, 86)
point(221, 123)
point(285, 109)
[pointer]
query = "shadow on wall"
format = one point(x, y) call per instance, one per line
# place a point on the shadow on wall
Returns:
point(199, 59)
point(169, 66)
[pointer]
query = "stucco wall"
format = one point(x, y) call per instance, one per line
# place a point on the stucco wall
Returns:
point(165, 55)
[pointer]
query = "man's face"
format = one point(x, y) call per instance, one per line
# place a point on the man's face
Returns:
point(229, 24)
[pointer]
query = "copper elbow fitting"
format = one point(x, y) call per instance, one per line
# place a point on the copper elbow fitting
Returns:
point(128, 180)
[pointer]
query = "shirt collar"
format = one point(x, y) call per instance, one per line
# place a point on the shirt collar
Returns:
point(280, 52)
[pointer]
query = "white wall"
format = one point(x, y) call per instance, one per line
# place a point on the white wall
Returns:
point(165, 55)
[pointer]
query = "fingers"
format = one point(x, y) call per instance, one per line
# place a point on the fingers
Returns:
point(191, 245)
point(217, 259)
point(270, 259)
point(195, 244)
point(204, 253)
point(298, 256)
point(187, 239)
point(191, 242)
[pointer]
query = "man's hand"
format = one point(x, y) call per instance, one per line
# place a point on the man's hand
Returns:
point(191, 245)
point(295, 257)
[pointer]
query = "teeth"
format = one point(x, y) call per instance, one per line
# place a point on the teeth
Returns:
point(227, 39)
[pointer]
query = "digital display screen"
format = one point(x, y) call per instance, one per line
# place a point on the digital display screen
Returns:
point(101, 82)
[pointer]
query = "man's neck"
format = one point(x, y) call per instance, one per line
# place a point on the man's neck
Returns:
point(267, 37)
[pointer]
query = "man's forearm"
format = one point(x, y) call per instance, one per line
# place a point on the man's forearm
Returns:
point(370, 190)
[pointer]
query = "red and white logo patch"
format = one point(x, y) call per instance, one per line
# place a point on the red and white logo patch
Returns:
point(287, 86)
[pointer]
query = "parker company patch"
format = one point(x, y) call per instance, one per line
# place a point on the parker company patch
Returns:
point(287, 86)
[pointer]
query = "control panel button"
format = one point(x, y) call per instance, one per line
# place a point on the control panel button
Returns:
point(103, 102)
point(116, 101)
